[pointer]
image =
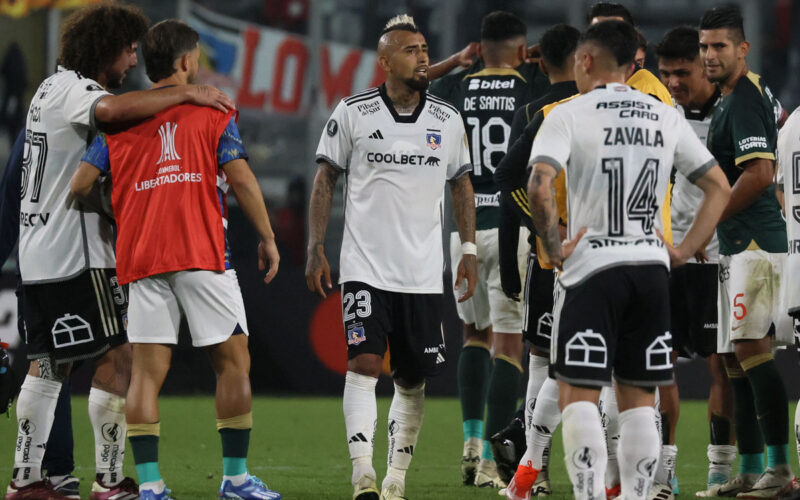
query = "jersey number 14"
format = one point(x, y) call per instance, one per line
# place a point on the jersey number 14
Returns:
point(641, 205)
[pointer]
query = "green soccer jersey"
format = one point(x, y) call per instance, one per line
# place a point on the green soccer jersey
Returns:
point(487, 99)
point(744, 128)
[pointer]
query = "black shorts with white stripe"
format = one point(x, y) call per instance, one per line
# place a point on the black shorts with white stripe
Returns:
point(79, 318)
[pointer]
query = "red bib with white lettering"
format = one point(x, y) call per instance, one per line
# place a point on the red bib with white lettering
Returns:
point(165, 198)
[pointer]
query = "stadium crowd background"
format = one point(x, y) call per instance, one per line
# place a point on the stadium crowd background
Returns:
point(287, 63)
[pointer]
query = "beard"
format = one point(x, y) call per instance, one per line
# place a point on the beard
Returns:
point(115, 80)
point(420, 84)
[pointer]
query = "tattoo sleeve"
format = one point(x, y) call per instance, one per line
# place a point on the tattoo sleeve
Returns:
point(320, 204)
point(464, 207)
point(542, 197)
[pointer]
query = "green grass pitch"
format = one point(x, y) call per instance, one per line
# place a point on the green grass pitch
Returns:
point(298, 447)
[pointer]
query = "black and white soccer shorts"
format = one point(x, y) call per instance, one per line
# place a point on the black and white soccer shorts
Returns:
point(693, 307)
point(615, 322)
point(409, 324)
point(79, 318)
point(538, 309)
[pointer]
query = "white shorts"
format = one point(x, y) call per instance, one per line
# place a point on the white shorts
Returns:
point(211, 301)
point(489, 305)
point(752, 297)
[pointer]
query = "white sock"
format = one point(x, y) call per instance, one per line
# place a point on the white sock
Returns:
point(156, 486)
point(610, 414)
point(107, 414)
point(720, 462)
point(639, 446)
point(360, 418)
point(237, 480)
point(666, 464)
point(405, 421)
point(584, 450)
point(537, 374)
point(545, 420)
point(36, 407)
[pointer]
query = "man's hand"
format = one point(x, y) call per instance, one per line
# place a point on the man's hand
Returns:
point(206, 95)
point(268, 252)
point(466, 56)
point(317, 268)
point(677, 255)
point(533, 54)
point(467, 268)
point(567, 248)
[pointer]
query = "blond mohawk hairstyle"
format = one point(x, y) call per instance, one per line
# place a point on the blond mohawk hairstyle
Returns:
point(400, 22)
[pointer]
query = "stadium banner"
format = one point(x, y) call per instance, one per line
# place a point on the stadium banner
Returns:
point(269, 69)
point(21, 8)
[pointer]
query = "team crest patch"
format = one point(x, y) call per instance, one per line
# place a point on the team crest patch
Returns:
point(355, 334)
point(433, 140)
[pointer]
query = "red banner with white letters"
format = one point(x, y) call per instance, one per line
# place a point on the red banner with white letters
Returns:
point(269, 69)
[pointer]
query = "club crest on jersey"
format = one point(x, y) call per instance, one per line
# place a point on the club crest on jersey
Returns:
point(167, 132)
point(356, 334)
point(433, 140)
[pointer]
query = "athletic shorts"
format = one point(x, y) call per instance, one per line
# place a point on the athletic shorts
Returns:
point(693, 307)
point(538, 305)
point(490, 306)
point(211, 301)
point(79, 318)
point(752, 300)
point(616, 321)
point(410, 324)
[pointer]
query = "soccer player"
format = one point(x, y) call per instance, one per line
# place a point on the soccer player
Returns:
point(557, 48)
point(617, 147)
point(399, 147)
point(693, 287)
point(487, 95)
point(170, 175)
point(73, 303)
point(752, 239)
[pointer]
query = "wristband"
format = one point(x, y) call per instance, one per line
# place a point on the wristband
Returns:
point(469, 248)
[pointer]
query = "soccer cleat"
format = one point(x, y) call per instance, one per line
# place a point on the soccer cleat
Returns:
point(127, 489)
point(152, 495)
point(469, 460)
point(613, 492)
point(40, 490)
point(252, 489)
point(541, 488)
point(486, 475)
point(740, 483)
point(508, 446)
point(660, 491)
point(519, 488)
point(771, 482)
point(68, 485)
point(393, 491)
point(716, 479)
point(366, 488)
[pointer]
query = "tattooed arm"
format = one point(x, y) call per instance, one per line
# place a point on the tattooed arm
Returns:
point(319, 213)
point(464, 213)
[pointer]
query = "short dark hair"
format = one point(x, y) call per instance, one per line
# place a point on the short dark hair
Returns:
point(499, 26)
point(609, 9)
point(641, 40)
point(682, 42)
point(618, 37)
point(557, 43)
point(93, 37)
point(728, 17)
point(165, 42)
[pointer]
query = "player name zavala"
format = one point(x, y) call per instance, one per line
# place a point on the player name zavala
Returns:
point(635, 136)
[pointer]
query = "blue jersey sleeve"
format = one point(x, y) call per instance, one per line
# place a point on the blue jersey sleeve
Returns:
point(230, 145)
point(97, 154)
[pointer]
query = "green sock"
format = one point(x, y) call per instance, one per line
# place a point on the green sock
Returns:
point(472, 429)
point(145, 456)
point(777, 454)
point(771, 404)
point(749, 439)
point(235, 443)
point(501, 403)
point(473, 376)
point(751, 463)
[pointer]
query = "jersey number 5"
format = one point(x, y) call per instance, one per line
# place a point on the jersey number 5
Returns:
point(641, 205)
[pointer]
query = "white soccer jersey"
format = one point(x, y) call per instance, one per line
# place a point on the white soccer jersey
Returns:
point(58, 240)
point(395, 169)
point(789, 167)
point(617, 147)
point(686, 197)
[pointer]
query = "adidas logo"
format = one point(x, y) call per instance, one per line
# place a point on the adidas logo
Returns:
point(439, 359)
point(358, 438)
point(407, 449)
point(376, 135)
